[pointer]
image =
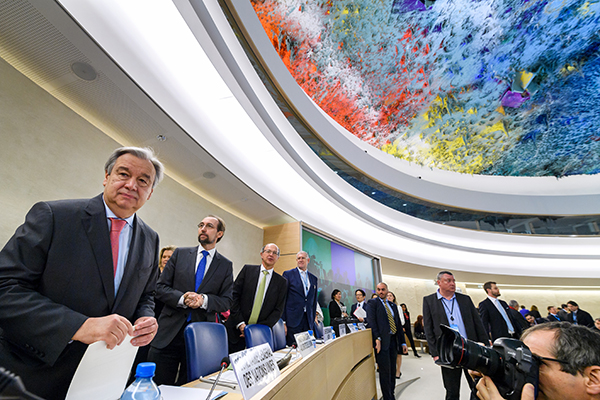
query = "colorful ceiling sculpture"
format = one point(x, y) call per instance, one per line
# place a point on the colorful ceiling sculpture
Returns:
point(495, 87)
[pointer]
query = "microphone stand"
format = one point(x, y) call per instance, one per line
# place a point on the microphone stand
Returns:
point(224, 364)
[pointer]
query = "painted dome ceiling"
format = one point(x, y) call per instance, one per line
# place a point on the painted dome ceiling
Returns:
point(491, 87)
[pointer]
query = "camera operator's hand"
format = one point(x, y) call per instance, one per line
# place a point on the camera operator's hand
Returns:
point(486, 390)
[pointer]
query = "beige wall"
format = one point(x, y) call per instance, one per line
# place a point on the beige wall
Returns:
point(49, 152)
point(412, 290)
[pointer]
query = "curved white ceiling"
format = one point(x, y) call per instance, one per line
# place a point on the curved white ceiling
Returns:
point(188, 76)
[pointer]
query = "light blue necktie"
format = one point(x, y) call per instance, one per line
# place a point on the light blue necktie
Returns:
point(306, 285)
point(511, 329)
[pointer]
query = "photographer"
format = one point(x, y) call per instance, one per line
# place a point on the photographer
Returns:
point(569, 364)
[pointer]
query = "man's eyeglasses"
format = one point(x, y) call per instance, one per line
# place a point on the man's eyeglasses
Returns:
point(541, 359)
point(275, 252)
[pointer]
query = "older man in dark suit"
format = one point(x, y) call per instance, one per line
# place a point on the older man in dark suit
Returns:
point(300, 313)
point(78, 272)
point(258, 297)
point(495, 315)
point(457, 311)
point(195, 286)
point(386, 328)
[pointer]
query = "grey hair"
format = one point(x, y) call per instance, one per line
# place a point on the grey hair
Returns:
point(577, 345)
point(441, 273)
point(145, 153)
point(514, 304)
point(302, 252)
point(263, 248)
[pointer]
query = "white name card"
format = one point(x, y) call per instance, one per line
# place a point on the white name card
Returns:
point(328, 334)
point(254, 369)
point(361, 326)
point(305, 343)
point(352, 327)
point(342, 328)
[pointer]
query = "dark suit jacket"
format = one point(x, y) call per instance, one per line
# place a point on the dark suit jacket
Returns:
point(179, 277)
point(380, 325)
point(296, 300)
point(55, 272)
point(334, 310)
point(244, 291)
point(493, 322)
point(353, 308)
point(518, 318)
point(434, 315)
point(553, 318)
point(583, 318)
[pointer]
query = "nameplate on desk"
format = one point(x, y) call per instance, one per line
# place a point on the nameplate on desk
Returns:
point(328, 334)
point(305, 343)
point(353, 328)
point(254, 369)
point(342, 329)
point(361, 326)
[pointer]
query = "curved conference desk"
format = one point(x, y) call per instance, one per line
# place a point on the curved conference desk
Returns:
point(343, 369)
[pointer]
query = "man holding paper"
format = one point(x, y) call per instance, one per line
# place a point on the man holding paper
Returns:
point(78, 272)
point(358, 309)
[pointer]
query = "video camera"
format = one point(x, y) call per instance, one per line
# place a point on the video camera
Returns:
point(509, 362)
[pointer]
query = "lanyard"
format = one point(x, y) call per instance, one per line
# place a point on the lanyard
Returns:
point(450, 310)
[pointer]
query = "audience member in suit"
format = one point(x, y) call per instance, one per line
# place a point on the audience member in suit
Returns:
point(495, 315)
point(195, 286)
point(533, 321)
point(596, 325)
point(407, 329)
point(516, 315)
point(579, 316)
point(258, 297)
point(388, 337)
point(419, 329)
point(553, 314)
point(300, 313)
point(391, 297)
point(457, 311)
point(360, 303)
point(563, 312)
point(335, 305)
point(142, 354)
point(78, 272)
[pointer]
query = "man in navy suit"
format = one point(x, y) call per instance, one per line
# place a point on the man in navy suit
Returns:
point(553, 315)
point(270, 300)
point(360, 303)
point(495, 315)
point(386, 328)
point(195, 286)
point(300, 313)
point(78, 272)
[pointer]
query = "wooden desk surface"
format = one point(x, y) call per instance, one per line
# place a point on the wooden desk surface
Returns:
point(340, 370)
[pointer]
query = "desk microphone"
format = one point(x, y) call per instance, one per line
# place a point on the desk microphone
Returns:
point(224, 364)
point(11, 387)
point(286, 359)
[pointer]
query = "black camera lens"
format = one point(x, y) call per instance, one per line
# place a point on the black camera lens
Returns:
point(456, 351)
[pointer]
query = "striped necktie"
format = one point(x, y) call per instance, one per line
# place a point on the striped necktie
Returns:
point(390, 318)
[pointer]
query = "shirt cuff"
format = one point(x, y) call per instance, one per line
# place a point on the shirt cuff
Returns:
point(181, 303)
point(204, 305)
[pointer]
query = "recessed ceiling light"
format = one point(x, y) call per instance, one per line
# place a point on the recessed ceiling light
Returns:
point(84, 71)
point(209, 175)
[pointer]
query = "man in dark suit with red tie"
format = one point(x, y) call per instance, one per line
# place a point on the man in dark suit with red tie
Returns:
point(195, 286)
point(386, 328)
point(78, 272)
point(300, 313)
point(258, 297)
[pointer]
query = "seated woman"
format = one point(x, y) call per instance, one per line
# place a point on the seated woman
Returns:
point(419, 331)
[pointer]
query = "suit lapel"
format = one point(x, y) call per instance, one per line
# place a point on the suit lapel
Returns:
point(188, 269)
point(96, 227)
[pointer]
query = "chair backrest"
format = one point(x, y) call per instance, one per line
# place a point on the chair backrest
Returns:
point(319, 327)
point(257, 334)
point(279, 340)
point(205, 347)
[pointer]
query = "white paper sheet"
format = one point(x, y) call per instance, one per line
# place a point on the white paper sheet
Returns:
point(102, 373)
point(360, 313)
point(187, 393)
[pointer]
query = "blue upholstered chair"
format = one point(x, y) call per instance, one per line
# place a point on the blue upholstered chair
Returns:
point(279, 341)
point(257, 334)
point(205, 347)
point(319, 327)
